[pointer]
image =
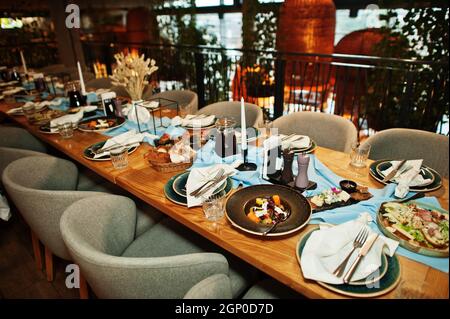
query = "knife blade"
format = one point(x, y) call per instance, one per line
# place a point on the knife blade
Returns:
point(363, 252)
point(392, 174)
point(213, 185)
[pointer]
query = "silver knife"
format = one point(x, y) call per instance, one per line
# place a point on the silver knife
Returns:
point(218, 182)
point(392, 174)
point(364, 250)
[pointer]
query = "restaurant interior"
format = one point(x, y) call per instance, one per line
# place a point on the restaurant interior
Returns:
point(224, 149)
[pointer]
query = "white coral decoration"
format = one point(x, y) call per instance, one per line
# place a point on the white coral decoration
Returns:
point(131, 73)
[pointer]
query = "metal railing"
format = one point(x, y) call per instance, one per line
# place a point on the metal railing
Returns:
point(372, 92)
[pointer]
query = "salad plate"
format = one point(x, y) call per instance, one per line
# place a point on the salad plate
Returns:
point(418, 227)
point(249, 201)
point(379, 283)
point(87, 153)
point(176, 198)
point(436, 184)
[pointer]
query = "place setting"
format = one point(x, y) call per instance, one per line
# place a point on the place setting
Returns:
point(350, 259)
point(195, 121)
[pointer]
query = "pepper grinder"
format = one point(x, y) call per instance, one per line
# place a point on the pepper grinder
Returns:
point(302, 181)
point(286, 175)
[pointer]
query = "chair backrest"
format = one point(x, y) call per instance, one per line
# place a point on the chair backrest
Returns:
point(400, 143)
point(97, 230)
point(253, 113)
point(327, 130)
point(17, 137)
point(9, 155)
point(185, 98)
point(100, 83)
point(42, 187)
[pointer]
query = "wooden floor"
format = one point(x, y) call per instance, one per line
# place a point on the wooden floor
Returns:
point(19, 277)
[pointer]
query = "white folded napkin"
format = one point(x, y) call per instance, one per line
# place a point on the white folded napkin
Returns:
point(13, 91)
point(408, 176)
point(328, 247)
point(38, 106)
point(194, 120)
point(2, 97)
point(69, 118)
point(295, 141)
point(142, 113)
point(199, 176)
point(150, 104)
point(101, 91)
point(130, 138)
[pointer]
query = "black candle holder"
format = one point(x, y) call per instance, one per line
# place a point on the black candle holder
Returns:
point(162, 102)
point(246, 166)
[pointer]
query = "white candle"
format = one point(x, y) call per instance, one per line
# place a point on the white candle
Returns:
point(24, 64)
point(80, 74)
point(243, 126)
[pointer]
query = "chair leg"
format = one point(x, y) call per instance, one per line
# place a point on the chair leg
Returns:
point(36, 250)
point(84, 291)
point(49, 264)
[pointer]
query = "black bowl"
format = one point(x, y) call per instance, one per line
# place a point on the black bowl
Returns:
point(348, 186)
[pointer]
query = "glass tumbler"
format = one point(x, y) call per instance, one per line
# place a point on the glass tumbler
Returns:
point(214, 206)
point(119, 157)
point(359, 154)
point(66, 129)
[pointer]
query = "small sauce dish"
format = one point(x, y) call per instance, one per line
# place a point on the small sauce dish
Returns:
point(348, 186)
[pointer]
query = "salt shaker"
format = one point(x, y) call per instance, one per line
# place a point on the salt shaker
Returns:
point(302, 181)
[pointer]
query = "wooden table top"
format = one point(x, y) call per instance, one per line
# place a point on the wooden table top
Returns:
point(274, 256)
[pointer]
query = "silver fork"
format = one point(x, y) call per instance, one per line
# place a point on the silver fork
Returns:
point(357, 243)
point(216, 177)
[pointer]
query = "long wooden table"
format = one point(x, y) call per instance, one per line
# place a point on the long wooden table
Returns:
point(274, 256)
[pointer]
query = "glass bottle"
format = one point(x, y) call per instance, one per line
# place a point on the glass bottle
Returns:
point(75, 97)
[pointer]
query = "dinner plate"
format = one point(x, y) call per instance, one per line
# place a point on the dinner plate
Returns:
point(83, 125)
point(45, 128)
point(312, 146)
point(409, 244)
point(241, 201)
point(179, 185)
point(437, 183)
point(425, 172)
point(390, 266)
point(90, 156)
point(181, 200)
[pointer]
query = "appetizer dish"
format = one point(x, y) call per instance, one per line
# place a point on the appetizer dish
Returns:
point(45, 116)
point(425, 227)
point(101, 123)
point(267, 210)
point(336, 197)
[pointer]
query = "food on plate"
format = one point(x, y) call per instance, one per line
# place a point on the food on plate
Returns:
point(426, 227)
point(99, 124)
point(267, 210)
point(170, 151)
point(330, 196)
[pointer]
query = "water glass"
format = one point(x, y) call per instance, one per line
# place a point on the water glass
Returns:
point(29, 111)
point(214, 206)
point(119, 157)
point(359, 154)
point(66, 129)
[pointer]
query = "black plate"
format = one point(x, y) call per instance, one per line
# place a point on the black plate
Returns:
point(89, 155)
point(437, 183)
point(295, 202)
point(179, 185)
point(82, 126)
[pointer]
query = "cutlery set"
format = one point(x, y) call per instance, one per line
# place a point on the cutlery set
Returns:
point(211, 184)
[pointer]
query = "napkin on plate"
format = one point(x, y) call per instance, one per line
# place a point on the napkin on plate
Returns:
point(199, 176)
point(142, 114)
point(408, 176)
point(69, 118)
point(328, 247)
point(130, 138)
point(194, 120)
point(295, 141)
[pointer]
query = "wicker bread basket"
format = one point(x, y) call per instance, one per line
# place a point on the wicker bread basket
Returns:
point(164, 167)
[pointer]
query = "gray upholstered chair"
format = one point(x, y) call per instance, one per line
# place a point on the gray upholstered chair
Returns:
point(164, 262)
point(42, 187)
point(400, 143)
point(100, 83)
point(327, 130)
point(253, 113)
point(17, 137)
point(186, 99)
point(218, 287)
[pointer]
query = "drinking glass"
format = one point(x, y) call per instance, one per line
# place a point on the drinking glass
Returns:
point(66, 129)
point(214, 206)
point(29, 111)
point(119, 157)
point(359, 154)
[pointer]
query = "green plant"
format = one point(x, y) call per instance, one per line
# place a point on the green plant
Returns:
point(413, 95)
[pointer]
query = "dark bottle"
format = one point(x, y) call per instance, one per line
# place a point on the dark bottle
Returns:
point(15, 76)
point(286, 174)
point(226, 143)
point(75, 98)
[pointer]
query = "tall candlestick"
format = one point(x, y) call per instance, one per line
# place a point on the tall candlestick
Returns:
point(243, 126)
point(24, 64)
point(80, 74)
